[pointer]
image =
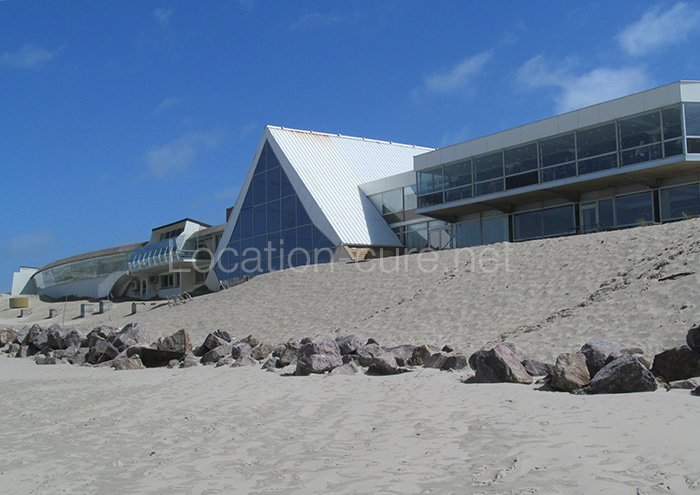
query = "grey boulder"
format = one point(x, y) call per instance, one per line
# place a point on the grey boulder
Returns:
point(680, 363)
point(537, 368)
point(570, 372)
point(623, 375)
point(598, 353)
point(498, 365)
point(318, 356)
point(693, 338)
point(348, 344)
point(216, 354)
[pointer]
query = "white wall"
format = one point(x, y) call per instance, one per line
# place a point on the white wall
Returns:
point(20, 281)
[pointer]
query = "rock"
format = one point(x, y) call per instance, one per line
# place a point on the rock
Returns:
point(371, 341)
point(99, 333)
point(215, 354)
point(696, 392)
point(448, 348)
point(62, 338)
point(131, 335)
point(498, 365)
point(262, 351)
point(79, 357)
point(644, 361)
point(421, 354)
point(623, 375)
point(351, 368)
point(13, 349)
point(598, 353)
point(244, 361)
point(348, 344)
point(23, 351)
point(37, 337)
point(688, 384)
point(7, 336)
point(436, 360)
point(319, 356)
point(693, 339)
point(510, 346)
point(154, 358)
point(455, 362)
point(189, 361)
point(632, 350)
point(287, 354)
point(402, 354)
point(536, 368)
point(271, 364)
point(306, 340)
point(252, 341)
point(384, 364)
point(241, 349)
point(100, 352)
point(50, 360)
point(676, 364)
point(214, 340)
point(177, 343)
point(367, 353)
point(128, 363)
point(225, 361)
point(570, 372)
point(174, 363)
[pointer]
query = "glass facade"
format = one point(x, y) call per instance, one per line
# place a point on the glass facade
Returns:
point(273, 230)
point(82, 270)
point(548, 222)
point(397, 205)
point(640, 138)
point(680, 202)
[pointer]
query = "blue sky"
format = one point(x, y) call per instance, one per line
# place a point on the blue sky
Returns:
point(116, 117)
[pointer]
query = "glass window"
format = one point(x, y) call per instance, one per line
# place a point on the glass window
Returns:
point(560, 172)
point(589, 222)
point(246, 220)
point(417, 236)
point(494, 229)
point(259, 189)
point(458, 194)
point(521, 180)
point(596, 164)
point(680, 202)
point(260, 166)
point(673, 148)
point(672, 122)
point(305, 238)
point(392, 201)
point(606, 214)
point(560, 149)
point(272, 161)
point(248, 201)
point(410, 202)
point(429, 200)
point(439, 237)
point(527, 225)
point(692, 119)
point(259, 220)
point(430, 180)
point(521, 159)
point(287, 189)
point(376, 200)
point(635, 209)
point(596, 141)
point(273, 184)
point(693, 145)
point(488, 166)
point(640, 130)
point(641, 154)
point(288, 240)
point(289, 212)
point(558, 221)
point(458, 174)
point(302, 216)
point(273, 216)
point(489, 187)
point(468, 234)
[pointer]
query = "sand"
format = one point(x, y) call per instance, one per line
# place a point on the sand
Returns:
point(241, 430)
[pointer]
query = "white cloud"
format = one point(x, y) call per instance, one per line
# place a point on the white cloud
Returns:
point(167, 104)
point(28, 57)
point(179, 154)
point(162, 16)
point(313, 20)
point(459, 76)
point(580, 90)
point(30, 243)
point(659, 28)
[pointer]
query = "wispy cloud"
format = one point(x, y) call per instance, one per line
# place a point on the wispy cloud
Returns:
point(167, 104)
point(314, 20)
point(163, 16)
point(178, 155)
point(28, 57)
point(660, 27)
point(579, 90)
point(459, 76)
point(30, 243)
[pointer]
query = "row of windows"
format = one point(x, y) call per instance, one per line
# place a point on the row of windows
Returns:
point(641, 138)
point(396, 205)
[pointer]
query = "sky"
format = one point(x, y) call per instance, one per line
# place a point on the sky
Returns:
point(120, 116)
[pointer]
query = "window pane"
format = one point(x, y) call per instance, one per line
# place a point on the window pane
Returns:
point(522, 180)
point(527, 225)
point(429, 200)
point(556, 150)
point(289, 212)
point(680, 202)
point(468, 234)
point(259, 189)
point(490, 187)
point(606, 214)
point(521, 159)
point(287, 189)
point(458, 194)
point(273, 184)
point(634, 210)
point(246, 220)
point(273, 216)
point(410, 202)
point(596, 141)
point(643, 154)
point(260, 220)
point(489, 166)
point(376, 200)
point(494, 229)
point(458, 174)
point(302, 216)
point(305, 238)
point(430, 180)
point(640, 130)
point(558, 221)
point(673, 148)
point(693, 145)
point(672, 122)
point(248, 201)
point(260, 167)
point(692, 119)
point(596, 164)
point(417, 236)
point(272, 161)
point(589, 223)
point(559, 172)
point(392, 201)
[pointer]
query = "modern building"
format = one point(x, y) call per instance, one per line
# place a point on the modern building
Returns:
point(22, 282)
point(312, 197)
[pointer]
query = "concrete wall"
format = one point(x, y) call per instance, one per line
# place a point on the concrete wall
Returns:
point(21, 281)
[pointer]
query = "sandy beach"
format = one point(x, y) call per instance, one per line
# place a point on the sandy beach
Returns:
point(69, 429)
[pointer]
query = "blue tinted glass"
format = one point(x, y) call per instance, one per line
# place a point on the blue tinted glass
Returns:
point(321, 241)
point(260, 220)
point(248, 201)
point(287, 189)
point(635, 209)
point(289, 239)
point(273, 216)
point(289, 212)
point(305, 238)
point(302, 217)
point(246, 220)
point(259, 189)
point(260, 167)
point(236, 235)
point(273, 184)
point(272, 161)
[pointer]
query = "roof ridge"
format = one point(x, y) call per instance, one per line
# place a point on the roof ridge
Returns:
point(354, 138)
